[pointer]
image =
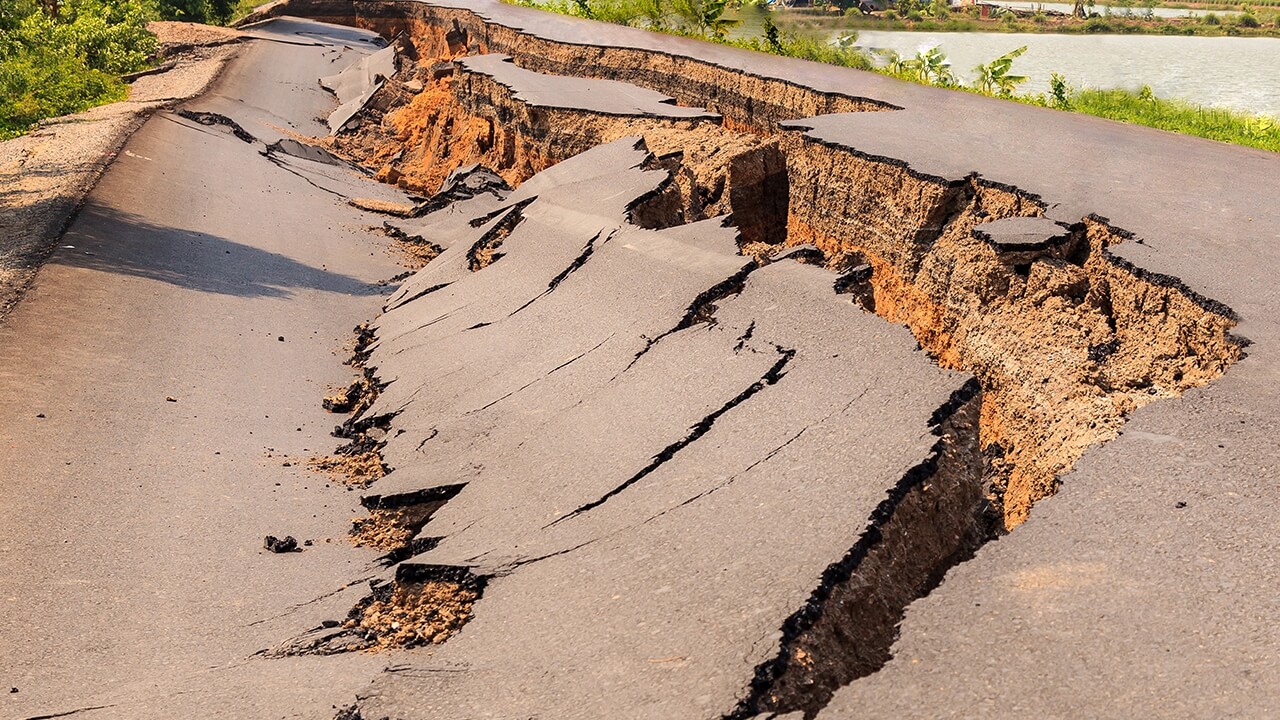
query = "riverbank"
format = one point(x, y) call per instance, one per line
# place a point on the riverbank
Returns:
point(1173, 67)
point(1127, 21)
point(46, 174)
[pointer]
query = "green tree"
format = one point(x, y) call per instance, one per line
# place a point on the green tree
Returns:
point(221, 11)
point(184, 10)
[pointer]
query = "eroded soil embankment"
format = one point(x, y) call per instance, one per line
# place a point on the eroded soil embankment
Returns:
point(745, 100)
point(415, 139)
point(1065, 343)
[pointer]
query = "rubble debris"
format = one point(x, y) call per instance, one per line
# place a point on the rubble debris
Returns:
point(357, 84)
point(287, 544)
point(212, 119)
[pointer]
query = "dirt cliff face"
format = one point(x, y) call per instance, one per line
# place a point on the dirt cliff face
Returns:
point(414, 139)
point(1065, 345)
point(744, 99)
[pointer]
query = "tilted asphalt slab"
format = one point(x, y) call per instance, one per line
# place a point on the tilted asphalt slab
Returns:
point(648, 505)
point(608, 97)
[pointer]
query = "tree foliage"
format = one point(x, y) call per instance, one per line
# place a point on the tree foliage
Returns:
point(58, 58)
point(217, 12)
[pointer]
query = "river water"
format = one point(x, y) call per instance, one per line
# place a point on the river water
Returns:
point(1232, 72)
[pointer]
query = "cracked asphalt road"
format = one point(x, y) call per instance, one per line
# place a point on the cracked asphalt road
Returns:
point(649, 498)
point(132, 573)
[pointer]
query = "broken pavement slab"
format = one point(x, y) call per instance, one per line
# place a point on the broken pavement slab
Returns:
point(793, 386)
point(357, 83)
point(606, 97)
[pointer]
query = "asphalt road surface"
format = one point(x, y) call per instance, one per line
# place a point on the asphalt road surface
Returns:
point(131, 561)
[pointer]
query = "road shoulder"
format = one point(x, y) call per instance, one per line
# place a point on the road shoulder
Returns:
point(45, 175)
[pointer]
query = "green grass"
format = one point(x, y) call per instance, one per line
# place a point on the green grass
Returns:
point(1258, 24)
point(1177, 116)
point(244, 7)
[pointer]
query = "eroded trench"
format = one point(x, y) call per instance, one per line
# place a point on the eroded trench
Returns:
point(1063, 338)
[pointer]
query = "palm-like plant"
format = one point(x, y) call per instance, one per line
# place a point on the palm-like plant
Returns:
point(928, 66)
point(894, 64)
point(933, 67)
point(995, 77)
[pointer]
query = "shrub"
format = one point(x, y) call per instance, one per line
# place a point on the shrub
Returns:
point(201, 11)
point(45, 83)
point(58, 64)
point(1211, 19)
point(1249, 21)
point(1059, 91)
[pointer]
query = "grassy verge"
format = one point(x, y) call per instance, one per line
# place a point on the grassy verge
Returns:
point(705, 19)
point(1141, 109)
point(244, 7)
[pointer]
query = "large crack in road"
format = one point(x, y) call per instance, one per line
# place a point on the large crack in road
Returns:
point(633, 436)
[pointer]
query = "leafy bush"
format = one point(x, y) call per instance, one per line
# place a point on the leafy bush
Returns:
point(57, 64)
point(1059, 92)
point(44, 83)
point(1249, 21)
point(1211, 19)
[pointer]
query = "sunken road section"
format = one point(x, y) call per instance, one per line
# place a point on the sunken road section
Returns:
point(654, 450)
